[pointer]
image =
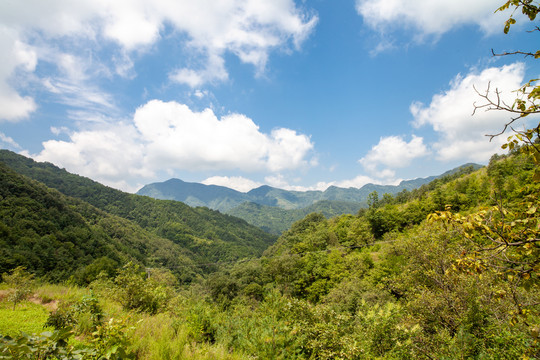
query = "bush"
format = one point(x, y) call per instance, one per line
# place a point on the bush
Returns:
point(136, 292)
point(85, 315)
point(47, 345)
point(21, 283)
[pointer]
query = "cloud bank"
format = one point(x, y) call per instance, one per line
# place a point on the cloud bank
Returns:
point(169, 136)
point(393, 152)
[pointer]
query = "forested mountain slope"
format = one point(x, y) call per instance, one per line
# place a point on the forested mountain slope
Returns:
point(276, 220)
point(208, 234)
point(58, 237)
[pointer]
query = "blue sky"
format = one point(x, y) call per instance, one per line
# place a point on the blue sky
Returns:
point(299, 95)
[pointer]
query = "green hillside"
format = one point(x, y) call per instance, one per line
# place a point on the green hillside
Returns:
point(276, 220)
point(208, 234)
point(446, 271)
point(58, 237)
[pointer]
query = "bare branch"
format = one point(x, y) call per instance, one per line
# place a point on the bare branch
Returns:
point(513, 53)
point(493, 101)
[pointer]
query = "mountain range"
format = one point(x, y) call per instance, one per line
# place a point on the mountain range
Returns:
point(225, 199)
point(275, 210)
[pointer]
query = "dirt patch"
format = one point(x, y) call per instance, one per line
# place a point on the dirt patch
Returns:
point(50, 305)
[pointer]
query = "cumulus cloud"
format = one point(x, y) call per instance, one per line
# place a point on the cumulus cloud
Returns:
point(462, 135)
point(362, 180)
point(207, 29)
point(110, 155)
point(430, 17)
point(393, 152)
point(238, 183)
point(170, 136)
point(179, 137)
point(248, 29)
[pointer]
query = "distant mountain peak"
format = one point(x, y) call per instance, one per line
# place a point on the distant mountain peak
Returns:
point(223, 198)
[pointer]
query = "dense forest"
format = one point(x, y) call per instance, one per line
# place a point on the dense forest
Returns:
point(449, 270)
point(196, 234)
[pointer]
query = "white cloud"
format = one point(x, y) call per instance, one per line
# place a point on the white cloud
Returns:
point(249, 29)
point(238, 183)
point(78, 94)
point(178, 137)
point(59, 130)
point(213, 71)
point(170, 136)
point(4, 139)
point(462, 135)
point(281, 182)
point(14, 107)
point(15, 56)
point(430, 17)
point(393, 152)
point(200, 93)
point(360, 181)
point(110, 155)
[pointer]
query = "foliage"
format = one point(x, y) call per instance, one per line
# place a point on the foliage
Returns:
point(137, 292)
point(84, 316)
point(21, 284)
point(196, 233)
point(112, 340)
point(47, 345)
point(528, 96)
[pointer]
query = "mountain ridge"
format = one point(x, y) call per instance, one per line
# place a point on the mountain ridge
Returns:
point(225, 199)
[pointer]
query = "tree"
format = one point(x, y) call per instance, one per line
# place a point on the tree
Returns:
point(21, 283)
point(528, 100)
point(373, 200)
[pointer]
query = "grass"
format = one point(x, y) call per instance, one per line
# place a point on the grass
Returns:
point(59, 292)
point(27, 317)
point(151, 337)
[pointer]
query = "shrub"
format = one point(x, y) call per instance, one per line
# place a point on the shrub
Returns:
point(85, 315)
point(21, 283)
point(47, 345)
point(136, 292)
